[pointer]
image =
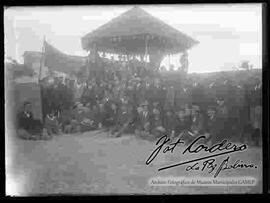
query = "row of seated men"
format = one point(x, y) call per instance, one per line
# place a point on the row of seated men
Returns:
point(147, 120)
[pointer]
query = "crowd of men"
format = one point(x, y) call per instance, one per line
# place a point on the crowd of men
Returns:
point(132, 99)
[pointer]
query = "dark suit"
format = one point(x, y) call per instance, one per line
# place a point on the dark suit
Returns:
point(110, 117)
point(197, 124)
point(213, 127)
point(123, 122)
point(52, 125)
point(144, 117)
point(27, 122)
point(169, 123)
point(181, 125)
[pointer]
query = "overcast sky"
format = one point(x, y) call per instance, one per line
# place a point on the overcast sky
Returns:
point(227, 33)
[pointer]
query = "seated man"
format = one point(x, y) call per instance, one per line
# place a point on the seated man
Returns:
point(212, 125)
point(83, 118)
point(182, 122)
point(87, 121)
point(246, 134)
point(196, 121)
point(257, 125)
point(143, 122)
point(69, 121)
point(196, 125)
point(124, 119)
point(51, 124)
point(111, 112)
point(156, 124)
point(28, 127)
point(169, 122)
point(65, 119)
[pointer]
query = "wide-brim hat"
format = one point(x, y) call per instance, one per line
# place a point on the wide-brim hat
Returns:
point(124, 102)
point(212, 108)
point(179, 108)
point(196, 107)
point(145, 103)
point(169, 109)
point(77, 103)
point(155, 103)
point(26, 103)
point(156, 111)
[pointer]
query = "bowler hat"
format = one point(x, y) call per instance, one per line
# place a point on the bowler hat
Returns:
point(145, 103)
point(212, 108)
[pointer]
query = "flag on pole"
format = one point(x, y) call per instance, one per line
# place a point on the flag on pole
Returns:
point(41, 68)
point(56, 60)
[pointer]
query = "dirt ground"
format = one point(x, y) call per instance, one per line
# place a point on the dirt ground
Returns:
point(92, 163)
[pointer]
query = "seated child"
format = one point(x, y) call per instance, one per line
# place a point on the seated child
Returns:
point(51, 124)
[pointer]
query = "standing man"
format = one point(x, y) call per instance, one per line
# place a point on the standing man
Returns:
point(184, 62)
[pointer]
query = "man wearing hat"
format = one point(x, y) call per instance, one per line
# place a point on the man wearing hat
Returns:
point(111, 113)
point(156, 123)
point(182, 122)
point(222, 116)
point(124, 120)
point(169, 122)
point(197, 122)
point(52, 124)
point(212, 129)
point(144, 118)
point(28, 127)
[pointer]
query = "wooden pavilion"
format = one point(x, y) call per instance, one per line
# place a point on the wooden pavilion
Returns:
point(137, 33)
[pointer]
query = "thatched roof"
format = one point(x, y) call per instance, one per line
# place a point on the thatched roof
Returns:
point(126, 34)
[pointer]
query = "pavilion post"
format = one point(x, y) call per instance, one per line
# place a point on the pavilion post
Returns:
point(141, 57)
point(95, 52)
point(169, 61)
point(146, 47)
point(88, 66)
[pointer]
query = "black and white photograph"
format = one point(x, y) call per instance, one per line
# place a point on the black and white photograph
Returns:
point(133, 99)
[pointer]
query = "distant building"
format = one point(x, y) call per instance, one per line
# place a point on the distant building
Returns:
point(32, 59)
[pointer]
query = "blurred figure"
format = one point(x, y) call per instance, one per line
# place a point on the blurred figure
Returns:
point(144, 119)
point(184, 62)
point(169, 122)
point(28, 127)
point(123, 122)
point(257, 125)
point(171, 68)
point(156, 123)
point(213, 125)
point(197, 121)
point(182, 122)
point(111, 115)
point(51, 124)
point(222, 116)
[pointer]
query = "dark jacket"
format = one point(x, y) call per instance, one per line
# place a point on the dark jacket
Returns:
point(24, 121)
point(181, 125)
point(169, 123)
point(28, 122)
point(197, 124)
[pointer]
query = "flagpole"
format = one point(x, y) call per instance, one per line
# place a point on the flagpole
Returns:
point(41, 58)
point(39, 77)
